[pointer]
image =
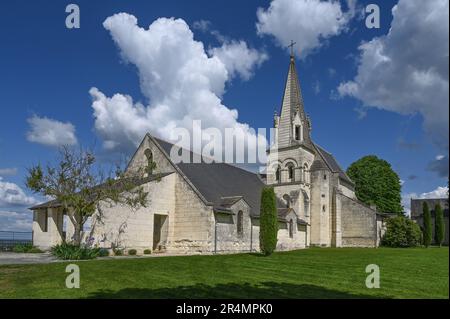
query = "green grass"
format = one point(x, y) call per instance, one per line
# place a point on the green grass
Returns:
point(310, 273)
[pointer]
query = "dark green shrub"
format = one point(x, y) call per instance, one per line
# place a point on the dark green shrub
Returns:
point(427, 225)
point(132, 252)
point(118, 252)
point(103, 252)
point(68, 251)
point(268, 222)
point(147, 251)
point(401, 232)
point(22, 248)
point(439, 225)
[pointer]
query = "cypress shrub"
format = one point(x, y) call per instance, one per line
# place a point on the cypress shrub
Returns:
point(268, 228)
point(427, 226)
point(439, 225)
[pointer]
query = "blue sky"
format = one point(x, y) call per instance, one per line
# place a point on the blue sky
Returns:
point(47, 71)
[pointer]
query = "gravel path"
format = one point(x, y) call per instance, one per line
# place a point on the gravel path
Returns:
point(22, 258)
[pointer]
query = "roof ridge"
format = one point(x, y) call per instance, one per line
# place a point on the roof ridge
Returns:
point(213, 161)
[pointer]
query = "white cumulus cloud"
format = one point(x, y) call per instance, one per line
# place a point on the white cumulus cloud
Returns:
point(439, 192)
point(239, 58)
point(12, 195)
point(406, 70)
point(16, 221)
point(50, 132)
point(307, 22)
point(180, 80)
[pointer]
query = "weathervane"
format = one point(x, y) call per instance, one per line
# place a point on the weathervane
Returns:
point(292, 47)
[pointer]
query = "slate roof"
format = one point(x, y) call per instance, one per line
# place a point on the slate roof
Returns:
point(217, 180)
point(332, 164)
point(283, 212)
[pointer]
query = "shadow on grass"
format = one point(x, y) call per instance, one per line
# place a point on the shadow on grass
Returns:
point(245, 290)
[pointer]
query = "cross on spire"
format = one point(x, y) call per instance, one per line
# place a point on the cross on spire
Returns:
point(292, 47)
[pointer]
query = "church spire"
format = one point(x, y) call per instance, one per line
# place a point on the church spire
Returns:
point(292, 105)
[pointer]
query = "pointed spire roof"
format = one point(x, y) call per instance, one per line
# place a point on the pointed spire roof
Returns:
point(292, 104)
point(292, 98)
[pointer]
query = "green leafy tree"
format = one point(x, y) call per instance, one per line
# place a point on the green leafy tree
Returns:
point(439, 225)
point(376, 183)
point(427, 225)
point(401, 232)
point(82, 188)
point(268, 222)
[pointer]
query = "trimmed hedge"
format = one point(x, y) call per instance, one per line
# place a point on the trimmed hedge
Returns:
point(268, 228)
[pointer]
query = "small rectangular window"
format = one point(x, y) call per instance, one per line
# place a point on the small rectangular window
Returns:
point(297, 132)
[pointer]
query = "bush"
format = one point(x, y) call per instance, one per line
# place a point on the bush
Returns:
point(132, 252)
point(147, 251)
point(268, 222)
point(401, 232)
point(68, 251)
point(427, 226)
point(22, 248)
point(26, 248)
point(103, 252)
point(118, 252)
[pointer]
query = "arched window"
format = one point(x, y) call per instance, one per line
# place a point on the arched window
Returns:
point(290, 168)
point(240, 223)
point(305, 173)
point(150, 164)
point(305, 203)
point(278, 174)
point(287, 199)
point(291, 228)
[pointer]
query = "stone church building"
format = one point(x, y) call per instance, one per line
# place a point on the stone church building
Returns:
point(206, 208)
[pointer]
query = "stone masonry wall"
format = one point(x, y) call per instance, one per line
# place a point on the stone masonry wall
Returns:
point(359, 223)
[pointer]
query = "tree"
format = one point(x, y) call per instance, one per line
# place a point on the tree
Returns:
point(439, 224)
point(376, 183)
point(401, 232)
point(268, 230)
point(427, 226)
point(81, 188)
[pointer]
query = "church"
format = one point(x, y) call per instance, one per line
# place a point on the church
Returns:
point(214, 207)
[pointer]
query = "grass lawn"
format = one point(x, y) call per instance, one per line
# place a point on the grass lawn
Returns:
point(309, 273)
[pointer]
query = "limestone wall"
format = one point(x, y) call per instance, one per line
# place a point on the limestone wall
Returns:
point(52, 235)
point(298, 239)
point(139, 160)
point(321, 208)
point(359, 223)
point(192, 230)
point(227, 238)
point(121, 226)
